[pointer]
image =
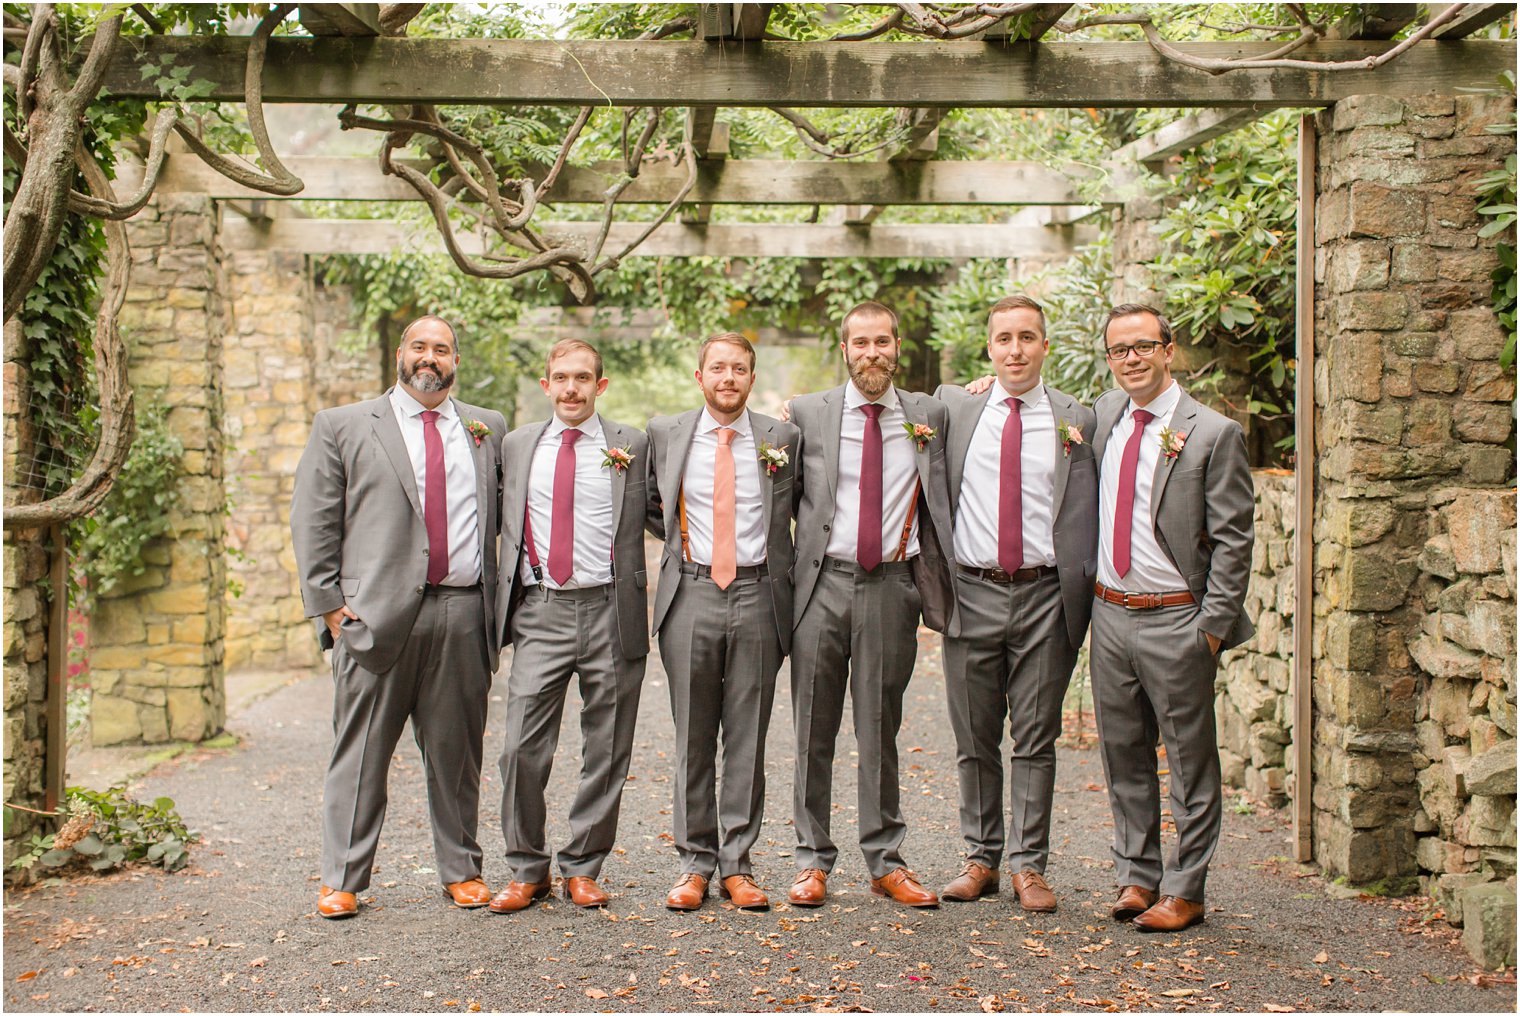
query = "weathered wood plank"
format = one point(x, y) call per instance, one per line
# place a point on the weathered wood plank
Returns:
point(1375, 21)
point(731, 182)
point(347, 236)
point(732, 21)
point(1189, 132)
point(1475, 18)
point(358, 20)
point(679, 73)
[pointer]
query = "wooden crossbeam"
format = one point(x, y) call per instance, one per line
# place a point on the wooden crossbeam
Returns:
point(734, 182)
point(356, 20)
point(1375, 21)
point(1187, 133)
point(919, 145)
point(808, 74)
point(719, 23)
point(1475, 18)
point(749, 240)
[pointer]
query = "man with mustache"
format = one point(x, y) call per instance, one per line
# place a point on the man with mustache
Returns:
point(572, 601)
point(873, 523)
point(1024, 491)
point(1174, 556)
point(394, 520)
point(720, 496)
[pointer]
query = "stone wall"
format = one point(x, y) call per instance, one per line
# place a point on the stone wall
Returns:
point(1253, 705)
point(1415, 510)
point(156, 641)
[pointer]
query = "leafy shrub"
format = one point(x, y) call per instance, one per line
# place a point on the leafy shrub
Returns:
point(107, 829)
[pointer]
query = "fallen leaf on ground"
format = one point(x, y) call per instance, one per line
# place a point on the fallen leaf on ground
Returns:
point(28, 975)
point(596, 993)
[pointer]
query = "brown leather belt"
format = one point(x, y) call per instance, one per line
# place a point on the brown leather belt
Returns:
point(1142, 601)
point(1004, 578)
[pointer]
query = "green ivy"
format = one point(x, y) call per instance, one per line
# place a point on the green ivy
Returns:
point(106, 829)
point(1496, 193)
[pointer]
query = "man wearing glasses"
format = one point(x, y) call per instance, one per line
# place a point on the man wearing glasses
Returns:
point(1174, 555)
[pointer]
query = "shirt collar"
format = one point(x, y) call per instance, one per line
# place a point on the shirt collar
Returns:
point(853, 399)
point(409, 406)
point(591, 427)
point(706, 423)
point(1161, 406)
point(1030, 399)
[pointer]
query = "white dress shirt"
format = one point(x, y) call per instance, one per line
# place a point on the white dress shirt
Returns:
point(591, 563)
point(1150, 570)
point(459, 480)
point(899, 478)
point(976, 516)
point(697, 485)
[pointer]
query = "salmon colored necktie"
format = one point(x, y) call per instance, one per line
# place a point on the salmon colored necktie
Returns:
point(725, 550)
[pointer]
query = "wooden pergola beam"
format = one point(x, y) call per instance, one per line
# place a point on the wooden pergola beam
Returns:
point(919, 145)
point(353, 20)
point(810, 74)
point(732, 182)
point(1375, 21)
point(748, 240)
point(709, 139)
point(1474, 19)
point(1187, 133)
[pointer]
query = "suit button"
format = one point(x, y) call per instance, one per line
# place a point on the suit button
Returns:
point(419, 589)
point(825, 527)
point(815, 564)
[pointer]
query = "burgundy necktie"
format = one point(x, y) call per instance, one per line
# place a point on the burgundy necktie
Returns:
point(1011, 493)
point(435, 498)
point(868, 541)
point(562, 515)
point(1124, 512)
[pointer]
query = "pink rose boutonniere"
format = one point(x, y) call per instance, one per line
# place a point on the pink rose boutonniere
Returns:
point(921, 433)
point(773, 458)
point(1172, 442)
point(478, 431)
point(1069, 436)
point(618, 458)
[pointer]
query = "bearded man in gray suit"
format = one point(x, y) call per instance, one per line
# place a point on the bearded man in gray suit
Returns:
point(720, 495)
point(1174, 557)
point(572, 601)
point(1024, 490)
point(394, 520)
point(873, 526)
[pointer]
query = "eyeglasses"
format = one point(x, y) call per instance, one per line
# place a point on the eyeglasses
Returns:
point(1145, 347)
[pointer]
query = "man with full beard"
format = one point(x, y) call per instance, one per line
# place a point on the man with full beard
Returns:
point(394, 519)
point(873, 528)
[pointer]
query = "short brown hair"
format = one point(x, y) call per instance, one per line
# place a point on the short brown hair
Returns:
point(1127, 309)
point(866, 307)
point(564, 346)
point(733, 339)
point(1017, 302)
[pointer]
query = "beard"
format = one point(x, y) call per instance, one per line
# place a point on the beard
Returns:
point(873, 383)
point(427, 382)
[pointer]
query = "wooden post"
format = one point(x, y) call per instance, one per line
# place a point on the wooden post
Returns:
point(1303, 535)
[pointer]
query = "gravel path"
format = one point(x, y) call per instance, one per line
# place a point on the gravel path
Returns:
point(237, 930)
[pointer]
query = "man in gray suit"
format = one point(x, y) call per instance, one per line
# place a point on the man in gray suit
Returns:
point(1174, 557)
point(1024, 490)
point(720, 494)
point(394, 520)
point(873, 528)
point(572, 601)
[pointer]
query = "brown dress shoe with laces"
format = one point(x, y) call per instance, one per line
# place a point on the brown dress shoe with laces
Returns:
point(741, 889)
point(902, 886)
point(1133, 901)
point(1034, 892)
point(584, 892)
point(688, 893)
point(975, 881)
point(519, 896)
point(1171, 913)
point(810, 889)
point(334, 903)
point(469, 894)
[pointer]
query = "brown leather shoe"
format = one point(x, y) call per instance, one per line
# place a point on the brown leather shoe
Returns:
point(468, 895)
point(584, 892)
point(1171, 913)
point(1132, 902)
point(902, 885)
point(688, 893)
point(810, 889)
point(334, 903)
point(519, 896)
point(1034, 892)
point(975, 881)
point(745, 894)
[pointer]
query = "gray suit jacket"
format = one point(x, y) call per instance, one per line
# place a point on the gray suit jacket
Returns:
point(820, 417)
point(1202, 510)
point(1075, 511)
point(630, 593)
point(669, 445)
point(356, 522)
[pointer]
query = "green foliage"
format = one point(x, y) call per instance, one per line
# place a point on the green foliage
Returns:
point(106, 829)
point(1496, 193)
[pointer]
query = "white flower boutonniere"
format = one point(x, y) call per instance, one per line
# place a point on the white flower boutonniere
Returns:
point(773, 458)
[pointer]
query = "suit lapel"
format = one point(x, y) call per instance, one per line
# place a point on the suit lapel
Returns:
point(389, 433)
point(520, 470)
point(1182, 421)
point(1060, 408)
point(968, 415)
point(915, 412)
point(763, 433)
point(480, 452)
point(681, 437)
point(614, 435)
point(833, 422)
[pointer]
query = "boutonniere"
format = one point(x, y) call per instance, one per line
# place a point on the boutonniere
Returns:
point(1069, 436)
point(618, 458)
point(921, 433)
point(773, 458)
point(478, 431)
point(1172, 442)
